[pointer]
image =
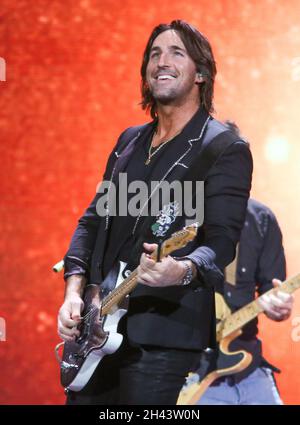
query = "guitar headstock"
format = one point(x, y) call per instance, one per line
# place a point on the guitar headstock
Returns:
point(179, 239)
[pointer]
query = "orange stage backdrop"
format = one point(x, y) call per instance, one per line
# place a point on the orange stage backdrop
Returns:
point(71, 86)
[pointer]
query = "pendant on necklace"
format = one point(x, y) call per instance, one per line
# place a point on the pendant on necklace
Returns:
point(147, 161)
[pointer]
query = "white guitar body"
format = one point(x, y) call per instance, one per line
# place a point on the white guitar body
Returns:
point(111, 345)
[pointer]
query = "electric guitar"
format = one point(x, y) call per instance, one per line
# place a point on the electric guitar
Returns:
point(223, 362)
point(100, 318)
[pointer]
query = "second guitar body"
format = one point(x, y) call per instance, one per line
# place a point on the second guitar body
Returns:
point(221, 361)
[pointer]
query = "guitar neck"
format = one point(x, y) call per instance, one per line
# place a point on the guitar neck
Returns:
point(119, 293)
point(247, 313)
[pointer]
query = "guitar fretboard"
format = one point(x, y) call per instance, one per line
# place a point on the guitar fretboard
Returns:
point(241, 317)
point(119, 293)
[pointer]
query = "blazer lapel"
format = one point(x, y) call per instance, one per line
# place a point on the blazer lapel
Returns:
point(124, 156)
point(189, 140)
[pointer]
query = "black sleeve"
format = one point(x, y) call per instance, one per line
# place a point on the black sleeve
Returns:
point(227, 189)
point(272, 259)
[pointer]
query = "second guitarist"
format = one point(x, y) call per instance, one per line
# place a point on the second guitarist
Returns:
point(260, 259)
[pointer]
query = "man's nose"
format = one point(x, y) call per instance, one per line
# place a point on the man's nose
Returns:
point(164, 60)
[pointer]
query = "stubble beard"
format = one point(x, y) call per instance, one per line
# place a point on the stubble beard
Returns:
point(170, 95)
point(165, 98)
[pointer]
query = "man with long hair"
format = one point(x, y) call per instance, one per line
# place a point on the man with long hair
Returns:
point(170, 317)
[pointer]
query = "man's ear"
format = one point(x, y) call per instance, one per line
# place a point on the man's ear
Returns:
point(199, 78)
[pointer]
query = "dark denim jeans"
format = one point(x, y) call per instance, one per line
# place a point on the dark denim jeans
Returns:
point(143, 375)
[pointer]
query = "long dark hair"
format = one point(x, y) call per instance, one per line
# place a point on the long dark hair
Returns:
point(199, 50)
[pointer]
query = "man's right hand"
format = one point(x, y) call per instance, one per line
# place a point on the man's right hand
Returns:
point(69, 315)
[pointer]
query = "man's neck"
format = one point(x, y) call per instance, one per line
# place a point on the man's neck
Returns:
point(172, 119)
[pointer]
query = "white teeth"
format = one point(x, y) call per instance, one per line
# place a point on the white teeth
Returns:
point(165, 77)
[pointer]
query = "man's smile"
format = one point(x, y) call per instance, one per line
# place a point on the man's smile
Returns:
point(165, 77)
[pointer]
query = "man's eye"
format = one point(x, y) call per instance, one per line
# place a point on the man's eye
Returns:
point(153, 55)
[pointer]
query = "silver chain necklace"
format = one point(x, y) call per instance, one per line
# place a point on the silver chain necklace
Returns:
point(151, 154)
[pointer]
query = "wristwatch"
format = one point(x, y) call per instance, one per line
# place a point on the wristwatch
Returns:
point(188, 277)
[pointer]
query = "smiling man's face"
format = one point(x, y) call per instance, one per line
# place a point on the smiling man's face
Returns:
point(171, 72)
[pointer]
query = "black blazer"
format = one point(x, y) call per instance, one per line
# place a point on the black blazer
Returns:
point(176, 317)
